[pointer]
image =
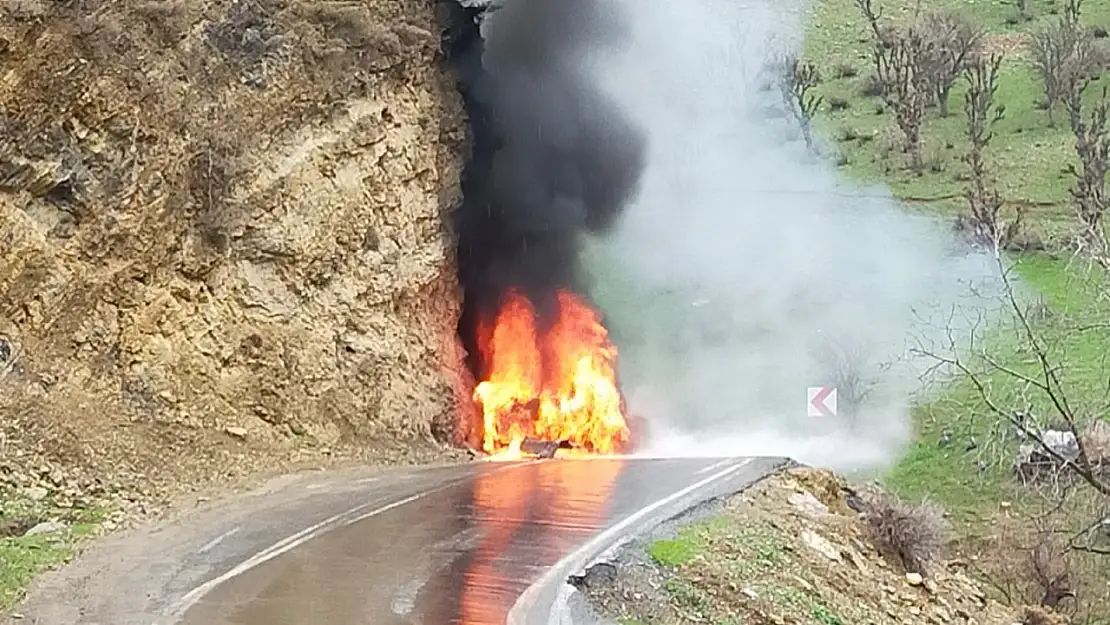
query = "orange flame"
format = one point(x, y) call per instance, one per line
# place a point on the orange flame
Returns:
point(555, 385)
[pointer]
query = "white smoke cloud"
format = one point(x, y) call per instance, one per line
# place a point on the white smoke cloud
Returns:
point(747, 271)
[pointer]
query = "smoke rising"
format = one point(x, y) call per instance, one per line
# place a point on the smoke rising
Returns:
point(746, 270)
point(552, 156)
point(629, 148)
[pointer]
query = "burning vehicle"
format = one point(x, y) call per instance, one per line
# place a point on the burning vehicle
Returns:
point(552, 159)
point(550, 381)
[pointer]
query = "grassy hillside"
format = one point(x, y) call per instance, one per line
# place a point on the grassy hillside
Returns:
point(1027, 156)
point(1027, 164)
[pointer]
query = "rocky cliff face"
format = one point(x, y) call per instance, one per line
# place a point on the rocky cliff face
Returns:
point(222, 234)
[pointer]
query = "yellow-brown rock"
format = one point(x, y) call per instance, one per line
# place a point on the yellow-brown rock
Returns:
point(221, 215)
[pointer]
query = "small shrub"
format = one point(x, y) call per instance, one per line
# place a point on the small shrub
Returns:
point(1049, 569)
point(1026, 241)
point(17, 525)
point(915, 533)
point(686, 594)
point(1039, 616)
point(844, 70)
point(837, 103)
point(873, 87)
point(849, 134)
point(1038, 311)
point(935, 161)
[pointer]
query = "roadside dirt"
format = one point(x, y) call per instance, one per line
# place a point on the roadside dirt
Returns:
point(223, 248)
point(788, 551)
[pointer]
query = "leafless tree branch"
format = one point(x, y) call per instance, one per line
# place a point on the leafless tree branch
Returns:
point(1063, 55)
point(797, 80)
point(984, 222)
point(1047, 381)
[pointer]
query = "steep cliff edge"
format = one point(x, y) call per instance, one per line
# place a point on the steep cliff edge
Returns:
point(222, 235)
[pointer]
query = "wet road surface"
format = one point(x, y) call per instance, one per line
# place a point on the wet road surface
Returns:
point(483, 544)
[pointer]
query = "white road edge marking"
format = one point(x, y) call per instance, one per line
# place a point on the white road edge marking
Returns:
point(208, 546)
point(579, 557)
point(283, 546)
point(348, 517)
point(705, 470)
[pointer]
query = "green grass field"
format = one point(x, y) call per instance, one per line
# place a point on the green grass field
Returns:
point(1027, 160)
point(23, 557)
point(1027, 156)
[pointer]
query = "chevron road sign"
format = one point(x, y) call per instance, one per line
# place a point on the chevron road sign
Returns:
point(822, 401)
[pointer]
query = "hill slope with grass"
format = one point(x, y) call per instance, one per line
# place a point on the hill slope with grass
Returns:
point(793, 550)
point(1028, 541)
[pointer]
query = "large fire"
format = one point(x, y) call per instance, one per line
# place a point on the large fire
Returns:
point(552, 384)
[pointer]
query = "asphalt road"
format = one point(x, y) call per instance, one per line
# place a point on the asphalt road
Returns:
point(465, 550)
point(478, 544)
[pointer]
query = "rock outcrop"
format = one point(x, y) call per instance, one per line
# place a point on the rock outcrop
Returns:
point(222, 232)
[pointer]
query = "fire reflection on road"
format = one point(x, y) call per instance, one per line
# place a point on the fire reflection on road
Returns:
point(454, 553)
point(544, 513)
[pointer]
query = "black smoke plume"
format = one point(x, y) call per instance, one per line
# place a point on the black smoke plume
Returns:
point(551, 157)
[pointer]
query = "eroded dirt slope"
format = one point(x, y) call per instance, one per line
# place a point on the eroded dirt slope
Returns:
point(790, 551)
point(222, 243)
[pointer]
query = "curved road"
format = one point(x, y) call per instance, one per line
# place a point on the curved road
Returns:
point(480, 544)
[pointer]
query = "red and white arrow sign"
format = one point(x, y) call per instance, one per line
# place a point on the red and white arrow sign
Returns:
point(822, 401)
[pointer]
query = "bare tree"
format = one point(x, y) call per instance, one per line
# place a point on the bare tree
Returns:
point(1051, 570)
point(910, 89)
point(1064, 57)
point(882, 43)
point(949, 44)
point(845, 362)
point(797, 79)
point(872, 15)
point(943, 44)
point(984, 222)
point(1045, 380)
point(916, 66)
point(1092, 146)
point(1070, 542)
